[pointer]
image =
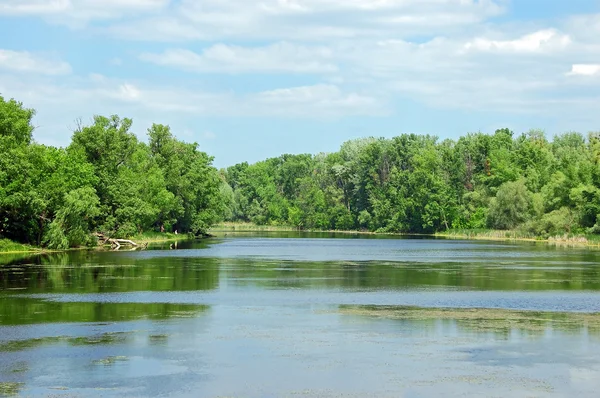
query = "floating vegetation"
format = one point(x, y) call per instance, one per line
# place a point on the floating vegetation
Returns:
point(20, 345)
point(484, 319)
point(19, 367)
point(158, 337)
point(110, 360)
point(105, 338)
point(183, 314)
point(10, 389)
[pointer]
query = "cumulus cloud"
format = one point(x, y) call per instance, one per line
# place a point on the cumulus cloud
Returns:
point(275, 58)
point(548, 39)
point(585, 70)
point(27, 62)
point(106, 93)
point(356, 57)
point(306, 19)
point(78, 13)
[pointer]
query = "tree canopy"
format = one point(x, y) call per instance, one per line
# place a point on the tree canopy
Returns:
point(421, 184)
point(106, 181)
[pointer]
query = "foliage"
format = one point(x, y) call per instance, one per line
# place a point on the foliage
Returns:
point(512, 205)
point(106, 180)
point(419, 184)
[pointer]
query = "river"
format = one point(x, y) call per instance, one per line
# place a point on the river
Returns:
point(303, 315)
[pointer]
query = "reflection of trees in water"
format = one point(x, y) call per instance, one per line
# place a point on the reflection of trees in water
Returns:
point(503, 324)
point(88, 272)
point(376, 274)
point(24, 311)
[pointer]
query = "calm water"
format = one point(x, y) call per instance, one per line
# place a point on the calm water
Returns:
point(293, 315)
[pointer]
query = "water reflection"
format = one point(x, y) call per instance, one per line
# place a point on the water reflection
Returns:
point(63, 272)
point(129, 274)
point(329, 317)
point(26, 311)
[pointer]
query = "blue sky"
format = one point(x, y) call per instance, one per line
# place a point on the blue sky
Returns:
point(253, 79)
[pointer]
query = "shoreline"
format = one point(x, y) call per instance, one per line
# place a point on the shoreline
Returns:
point(483, 235)
point(491, 235)
point(140, 239)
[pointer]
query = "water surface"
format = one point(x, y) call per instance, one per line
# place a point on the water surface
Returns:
point(272, 315)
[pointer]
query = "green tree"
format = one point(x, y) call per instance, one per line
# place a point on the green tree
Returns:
point(71, 227)
point(512, 205)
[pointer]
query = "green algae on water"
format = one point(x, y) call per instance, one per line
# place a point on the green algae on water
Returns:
point(10, 389)
point(485, 319)
point(158, 337)
point(102, 339)
point(110, 360)
point(20, 345)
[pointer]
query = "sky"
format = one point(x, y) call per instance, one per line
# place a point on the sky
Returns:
point(250, 79)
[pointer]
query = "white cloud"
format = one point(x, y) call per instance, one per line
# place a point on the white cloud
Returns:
point(26, 62)
point(33, 7)
point(209, 135)
point(584, 27)
point(547, 39)
point(360, 55)
point(306, 19)
point(275, 58)
point(318, 100)
point(99, 94)
point(79, 12)
point(585, 69)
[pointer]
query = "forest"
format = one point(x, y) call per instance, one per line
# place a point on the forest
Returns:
point(107, 180)
point(421, 184)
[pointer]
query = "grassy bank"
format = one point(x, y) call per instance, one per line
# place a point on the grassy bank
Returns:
point(514, 235)
point(250, 227)
point(155, 237)
point(8, 246)
point(470, 234)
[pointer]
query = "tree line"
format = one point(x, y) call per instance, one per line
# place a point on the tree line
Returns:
point(421, 184)
point(105, 180)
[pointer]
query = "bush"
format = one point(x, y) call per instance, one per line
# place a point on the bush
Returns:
point(557, 222)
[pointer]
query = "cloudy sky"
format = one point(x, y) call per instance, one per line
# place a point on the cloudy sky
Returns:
point(249, 79)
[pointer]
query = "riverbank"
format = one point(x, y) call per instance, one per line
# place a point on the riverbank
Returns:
point(157, 237)
point(513, 235)
point(250, 227)
point(9, 247)
point(468, 234)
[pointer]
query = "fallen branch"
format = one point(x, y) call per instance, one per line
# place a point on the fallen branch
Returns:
point(116, 243)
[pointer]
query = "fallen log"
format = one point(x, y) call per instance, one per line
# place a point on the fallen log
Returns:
point(116, 243)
